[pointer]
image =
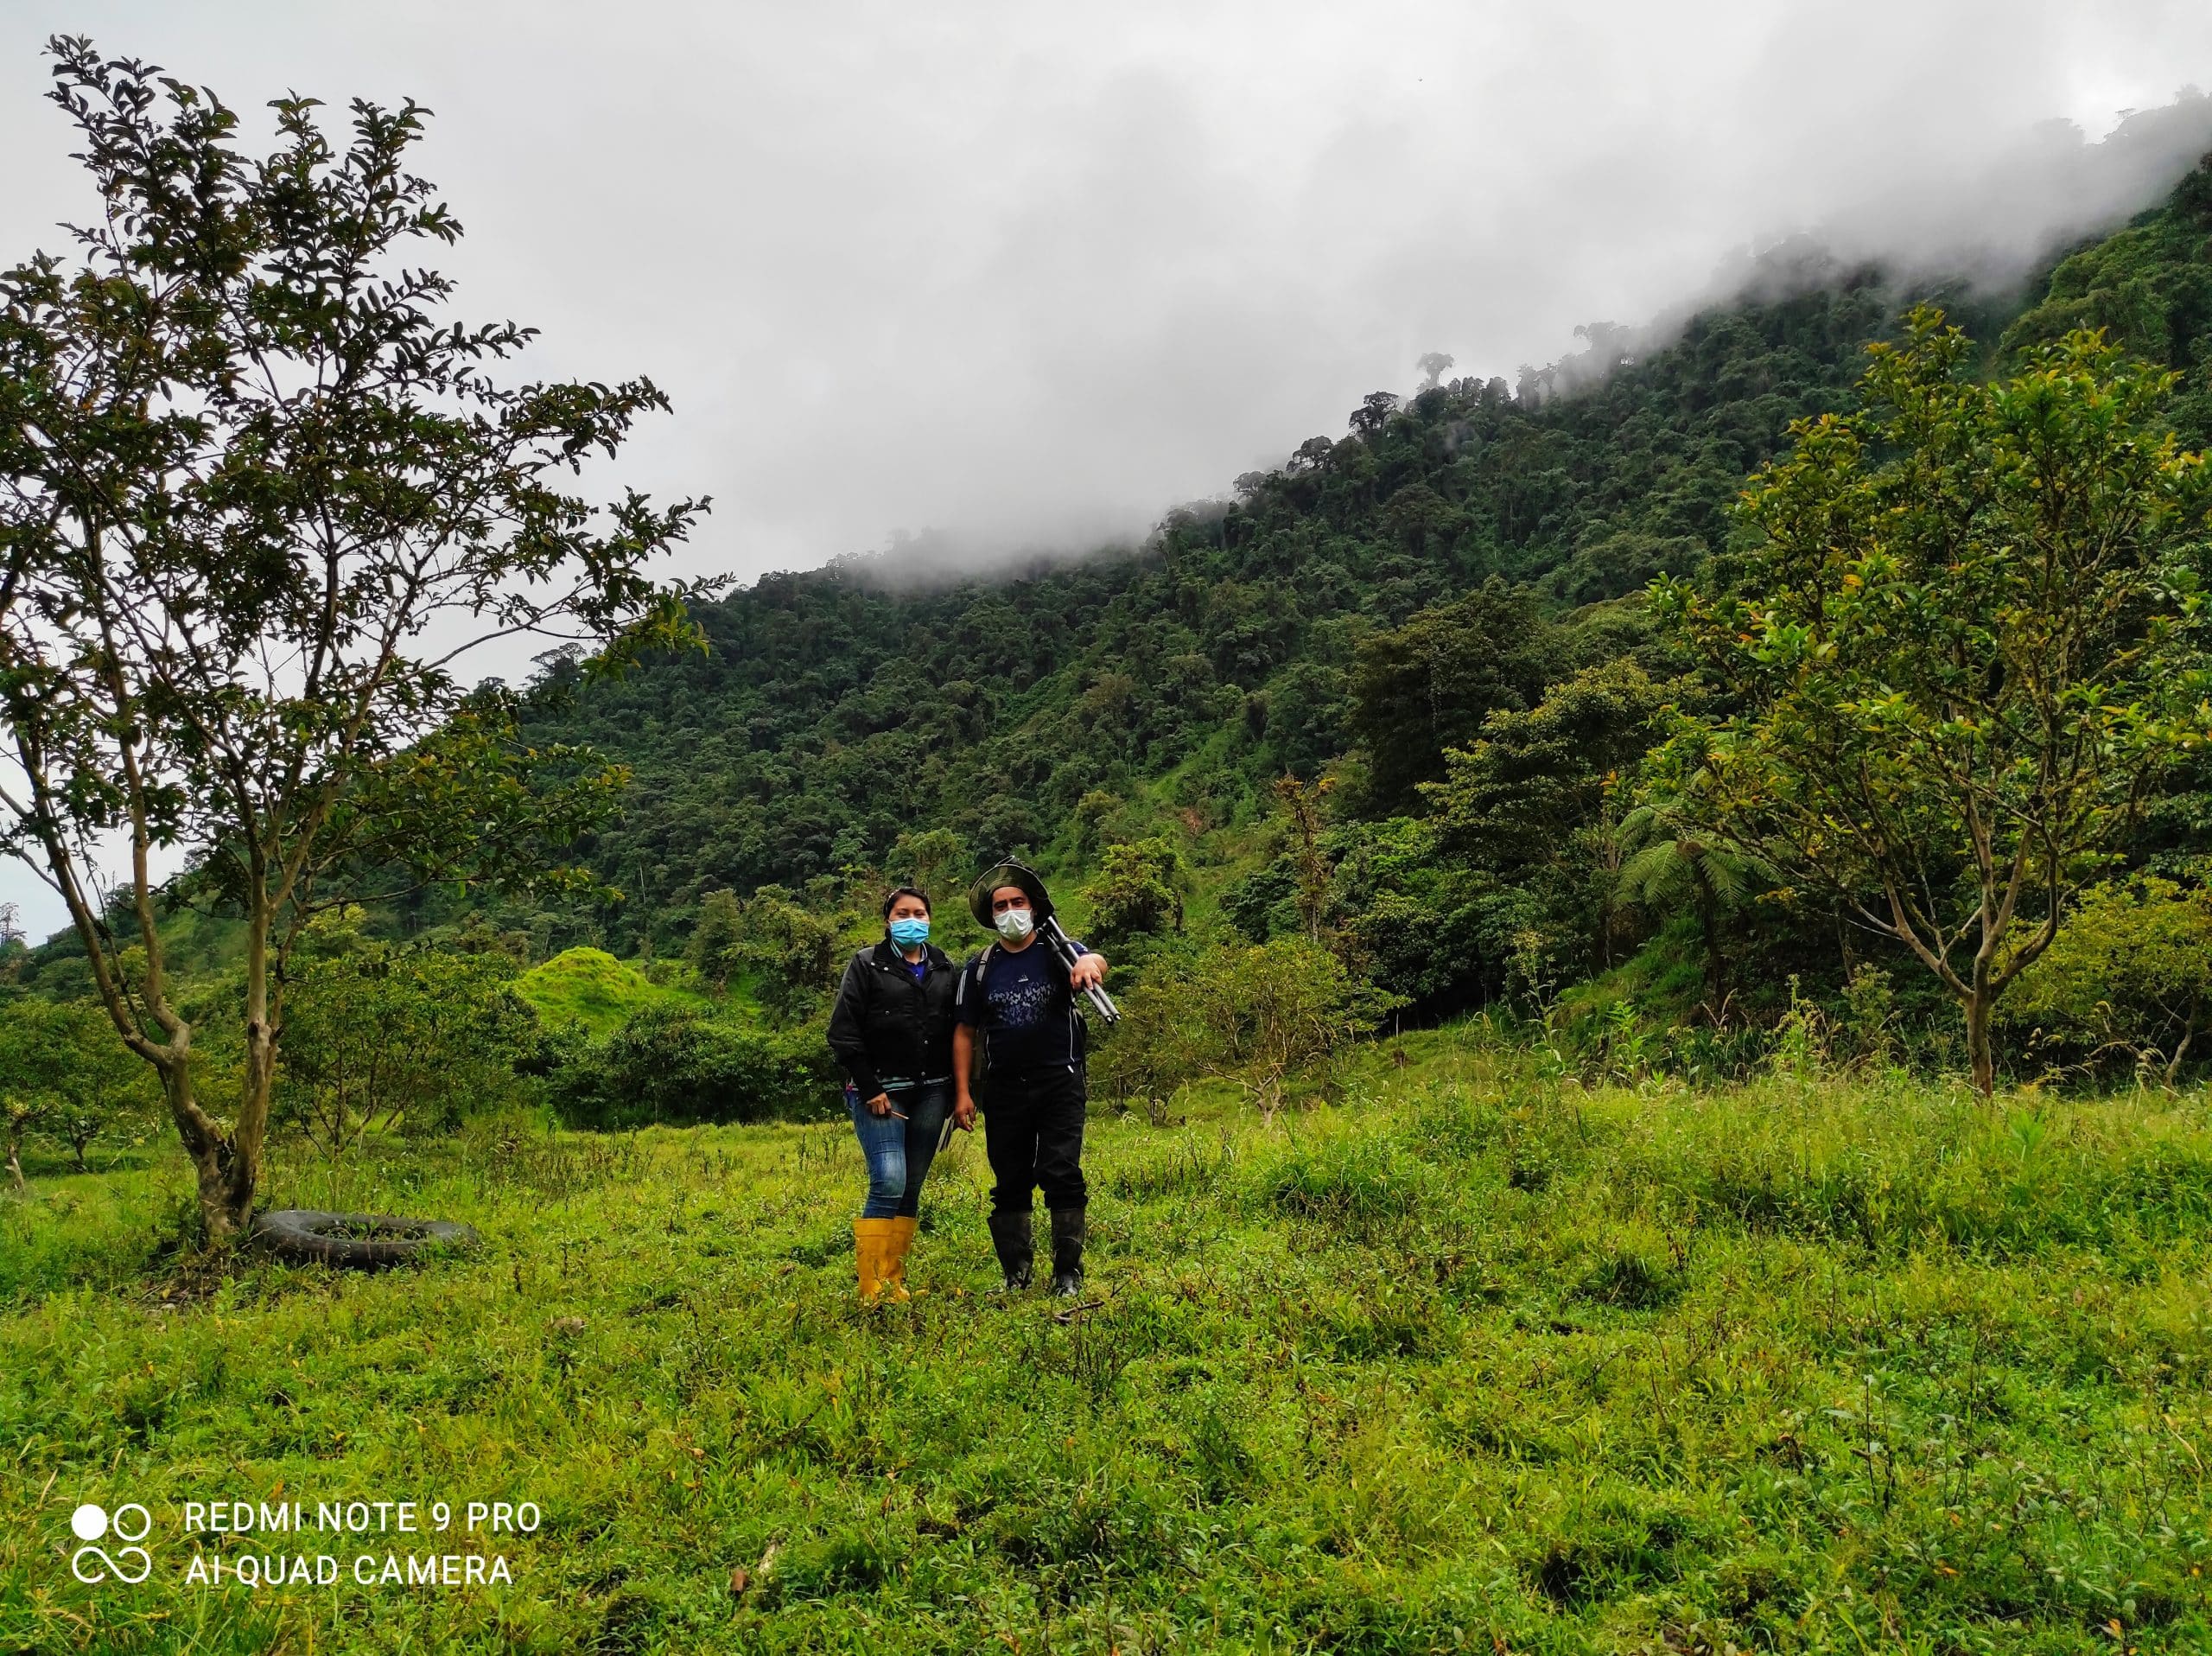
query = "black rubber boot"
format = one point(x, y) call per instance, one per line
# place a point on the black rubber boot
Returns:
point(1067, 1252)
point(1010, 1240)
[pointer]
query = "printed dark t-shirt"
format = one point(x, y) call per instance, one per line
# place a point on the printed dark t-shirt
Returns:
point(1021, 1005)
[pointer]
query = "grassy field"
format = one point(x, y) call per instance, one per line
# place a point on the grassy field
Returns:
point(1467, 1360)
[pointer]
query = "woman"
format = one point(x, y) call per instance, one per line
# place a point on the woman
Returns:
point(892, 1032)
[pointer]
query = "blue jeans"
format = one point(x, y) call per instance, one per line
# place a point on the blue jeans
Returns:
point(900, 1152)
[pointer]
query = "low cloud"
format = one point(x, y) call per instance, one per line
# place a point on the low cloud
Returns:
point(1004, 277)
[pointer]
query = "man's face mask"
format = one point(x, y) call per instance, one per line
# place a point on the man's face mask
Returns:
point(1014, 924)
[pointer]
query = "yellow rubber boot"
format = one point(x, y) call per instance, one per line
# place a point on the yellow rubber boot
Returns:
point(871, 1241)
point(894, 1257)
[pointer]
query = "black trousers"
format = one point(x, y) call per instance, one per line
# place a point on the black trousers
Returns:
point(1032, 1134)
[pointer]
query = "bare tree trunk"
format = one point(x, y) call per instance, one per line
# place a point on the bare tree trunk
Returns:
point(16, 1152)
point(213, 1154)
point(2181, 1052)
point(1979, 1052)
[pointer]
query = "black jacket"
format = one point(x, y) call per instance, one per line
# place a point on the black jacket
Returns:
point(886, 1027)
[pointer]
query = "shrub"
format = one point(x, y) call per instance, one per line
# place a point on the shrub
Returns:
point(1260, 1013)
point(671, 1064)
point(410, 1037)
point(2130, 973)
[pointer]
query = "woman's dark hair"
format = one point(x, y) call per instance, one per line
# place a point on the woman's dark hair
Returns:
point(922, 897)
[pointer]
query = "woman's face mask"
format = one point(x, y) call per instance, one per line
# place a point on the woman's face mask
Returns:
point(910, 933)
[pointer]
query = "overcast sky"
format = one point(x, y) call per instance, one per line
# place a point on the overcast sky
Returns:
point(1027, 275)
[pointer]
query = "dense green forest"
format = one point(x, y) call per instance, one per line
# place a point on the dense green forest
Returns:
point(1465, 564)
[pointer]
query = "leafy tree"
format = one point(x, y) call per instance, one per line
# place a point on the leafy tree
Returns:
point(1374, 411)
point(1136, 893)
point(379, 1035)
point(716, 950)
point(1421, 518)
point(790, 952)
point(257, 495)
point(1258, 903)
point(1538, 799)
point(1404, 916)
point(2131, 970)
point(61, 1074)
point(1516, 796)
point(1433, 365)
point(1424, 687)
point(1961, 648)
point(932, 862)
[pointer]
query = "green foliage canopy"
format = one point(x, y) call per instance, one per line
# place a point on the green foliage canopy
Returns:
point(389, 1037)
point(1960, 646)
point(2130, 971)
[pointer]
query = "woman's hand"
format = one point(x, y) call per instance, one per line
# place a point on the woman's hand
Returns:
point(963, 1115)
point(879, 1104)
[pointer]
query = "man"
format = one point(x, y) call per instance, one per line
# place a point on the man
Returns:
point(1015, 1002)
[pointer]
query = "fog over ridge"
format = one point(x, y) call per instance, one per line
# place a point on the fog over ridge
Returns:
point(1015, 279)
point(1006, 277)
point(1996, 231)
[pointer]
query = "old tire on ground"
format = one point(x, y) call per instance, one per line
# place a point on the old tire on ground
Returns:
point(360, 1241)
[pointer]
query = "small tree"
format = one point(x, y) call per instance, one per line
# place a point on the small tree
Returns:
point(391, 1037)
point(790, 952)
point(1136, 893)
point(257, 496)
point(1960, 649)
point(931, 860)
point(61, 1075)
point(716, 938)
point(1268, 1012)
point(1671, 860)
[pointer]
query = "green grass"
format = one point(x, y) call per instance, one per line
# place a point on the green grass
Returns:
point(1467, 1360)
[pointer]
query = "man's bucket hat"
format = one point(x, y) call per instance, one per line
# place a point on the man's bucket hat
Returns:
point(1009, 874)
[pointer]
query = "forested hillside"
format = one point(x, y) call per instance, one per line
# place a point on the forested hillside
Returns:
point(1357, 612)
point(835, 713)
